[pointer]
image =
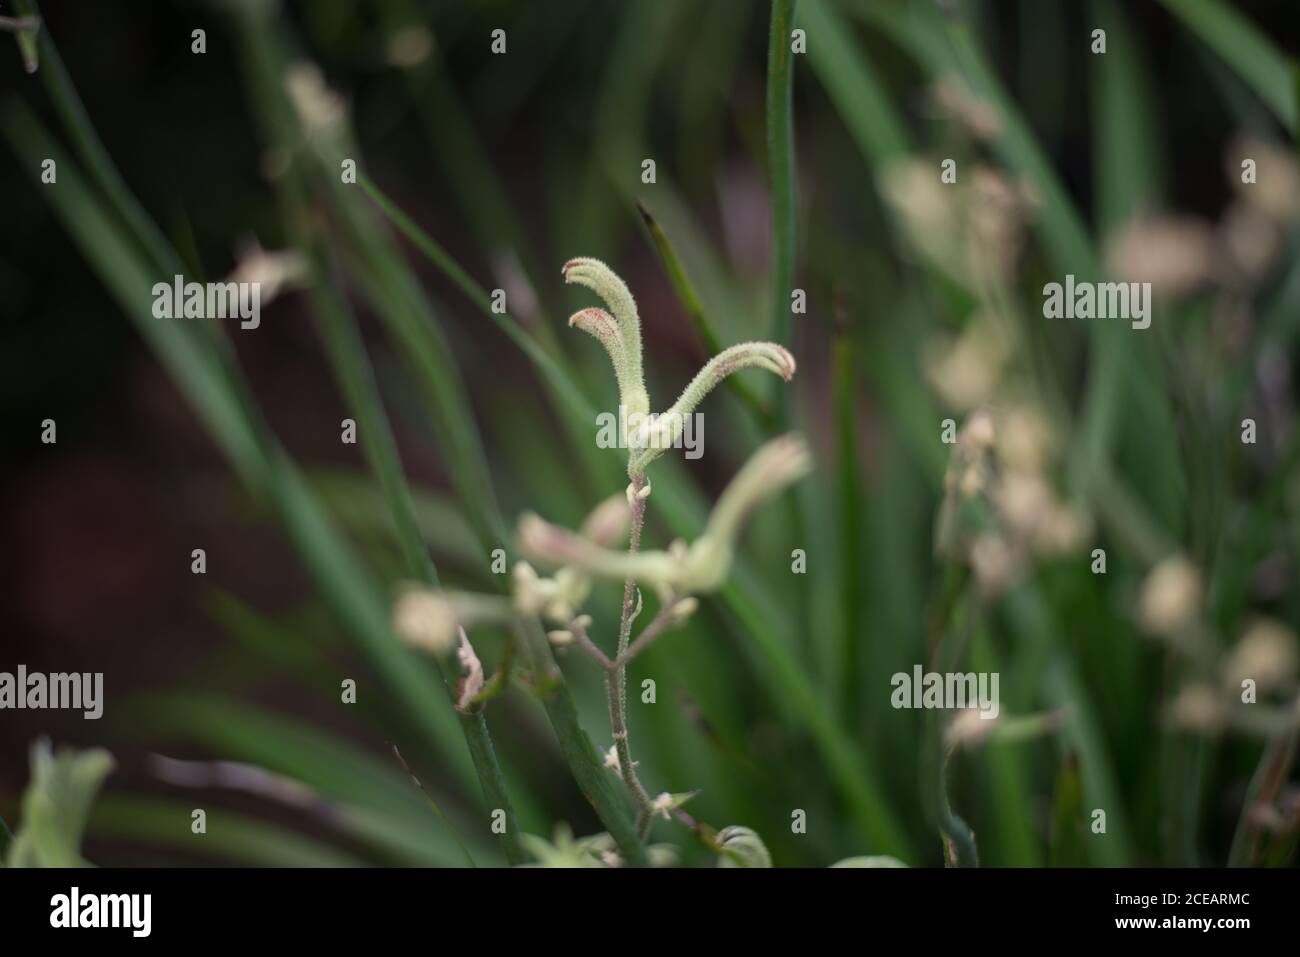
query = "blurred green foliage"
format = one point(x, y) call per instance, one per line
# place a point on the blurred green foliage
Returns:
point(776, 697)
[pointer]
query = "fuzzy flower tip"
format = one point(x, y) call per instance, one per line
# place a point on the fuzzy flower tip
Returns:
point(619, 331)
point(425, 620)
point(1170, 598)
point(429, 619)
point(663, 805)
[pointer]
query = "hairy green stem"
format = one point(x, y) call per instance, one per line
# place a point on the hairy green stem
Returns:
point(616, 681)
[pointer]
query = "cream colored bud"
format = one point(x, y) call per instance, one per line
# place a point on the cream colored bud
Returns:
point(272, 272)
point(684, 609)
point(560, 637)
point(1175, 254)
point(426, 620)
point(531, 592)
point(1023, 499)
point(1199, 708)
point(968, 727)
point(977, 433)
point(1062, 530)
point(429, 618)
point(1024, 439)
point(663, 805)
point(319, 108)
point(1265, 654)
point(1170, 597)
point(965, 371)
point(607, 524)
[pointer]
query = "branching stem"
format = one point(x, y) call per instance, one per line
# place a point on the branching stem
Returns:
point(616, 679)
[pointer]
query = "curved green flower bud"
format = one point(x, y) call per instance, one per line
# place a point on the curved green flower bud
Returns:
point(776, 465)
point(620, 333)
point(746, 355)
point(544, 542)
point(681, 570)
point(741, 847)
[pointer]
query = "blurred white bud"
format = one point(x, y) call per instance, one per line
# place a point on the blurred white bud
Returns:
point(663, 805)
point(607, 523)
point(1266, 654)
point(1024, 500)
point(965, 371)
point(968, 727)
point(319, 108)
point(683, 610)
point(977, 433)
point(271, 271)
point(1061, 530)
point(1175, 254)
point(426, 620)
point(1199, 708)
point(1025, 441)
point(1170, 597)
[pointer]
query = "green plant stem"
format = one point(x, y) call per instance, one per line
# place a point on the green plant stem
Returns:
point(946, 641)
point(1273, 769)
point(347, 354)
point(574, 743)
point(780, 161)
point(352, 369)
point(608, 800)
point(433, 805)
point(616, 681)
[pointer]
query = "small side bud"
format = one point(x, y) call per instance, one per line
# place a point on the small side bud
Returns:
point(683, 610)
point(747, 355)
point(425, 620)
point(429, 619)
point(742, 847)
point(1170, 598)
point(606, 525)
